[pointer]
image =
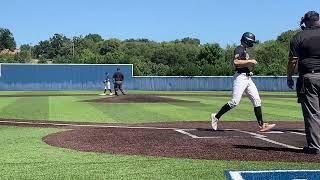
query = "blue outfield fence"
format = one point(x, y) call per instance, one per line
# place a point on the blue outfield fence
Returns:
point(58, 76)
point(90, 77)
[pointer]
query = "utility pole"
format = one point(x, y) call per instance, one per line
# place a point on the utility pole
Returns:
point(72, 48)
point(30, 50)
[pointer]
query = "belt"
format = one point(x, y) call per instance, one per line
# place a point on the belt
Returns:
point(312, 71)
point(247, 73)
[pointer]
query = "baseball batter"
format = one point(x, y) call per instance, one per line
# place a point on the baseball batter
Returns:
point(243, 83)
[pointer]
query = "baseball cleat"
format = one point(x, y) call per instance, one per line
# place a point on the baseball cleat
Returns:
point(214, 121)
point(266, 127)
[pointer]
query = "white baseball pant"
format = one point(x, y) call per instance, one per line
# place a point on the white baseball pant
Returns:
point(243, 83)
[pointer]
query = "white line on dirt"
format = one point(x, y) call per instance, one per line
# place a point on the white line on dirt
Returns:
point(264, 138)
point(302, 134)
point(273, 132)
point(182, 131)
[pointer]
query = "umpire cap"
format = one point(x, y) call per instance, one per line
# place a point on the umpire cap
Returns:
point(311, 16)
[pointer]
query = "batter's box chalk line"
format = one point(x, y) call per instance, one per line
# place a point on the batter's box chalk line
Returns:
point(254, 135)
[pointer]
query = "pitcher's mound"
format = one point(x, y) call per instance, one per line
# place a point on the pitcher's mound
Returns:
point(137, 98)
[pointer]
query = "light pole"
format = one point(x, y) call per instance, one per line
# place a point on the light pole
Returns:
point(72, 48)
point(30, 50)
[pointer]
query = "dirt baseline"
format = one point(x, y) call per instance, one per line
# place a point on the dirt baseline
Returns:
point(191, 140)
point(168, 94)
point(137, 98)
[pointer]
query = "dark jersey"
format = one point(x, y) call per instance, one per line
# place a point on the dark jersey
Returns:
point(240, 53)
point(118, 76)
point(306, 46)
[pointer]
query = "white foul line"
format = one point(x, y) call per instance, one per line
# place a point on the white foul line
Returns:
point(279, 171)
point(255, 135)
point(236, 175)
point(86, 125)
point(264, 138)
point(302, 134)
point(186, 133)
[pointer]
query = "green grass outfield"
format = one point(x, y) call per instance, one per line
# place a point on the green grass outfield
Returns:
point(25, 156)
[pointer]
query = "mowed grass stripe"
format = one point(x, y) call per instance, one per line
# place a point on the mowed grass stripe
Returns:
point(72, 108)
point(273, 109)
point(198, 110)
point(170, 112)
point(26, 108)
point(131, 112)
point(6, 102)
point(269, 110)
point(10, 92)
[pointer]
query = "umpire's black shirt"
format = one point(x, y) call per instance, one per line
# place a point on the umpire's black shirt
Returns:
point(306, 46)
point(240, 53)
point(118, 76)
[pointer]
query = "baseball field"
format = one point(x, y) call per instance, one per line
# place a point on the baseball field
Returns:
point(145, 135)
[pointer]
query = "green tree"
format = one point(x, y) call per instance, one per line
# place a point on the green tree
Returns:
point(88, 57)
point(6, 39)
point(61, 45)
point(188, 40)
point(109, 46)
point(26, 51)
point(211, 53)
point(188, 69)
point(43, 50)
point(94, 37)
point(286, 37)
point(272, 58)
point(175, 54)
point(5, 58)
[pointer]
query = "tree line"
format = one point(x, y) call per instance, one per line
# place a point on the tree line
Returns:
point(182, 57)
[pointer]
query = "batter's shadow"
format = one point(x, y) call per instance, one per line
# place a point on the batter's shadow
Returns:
point(268, 148)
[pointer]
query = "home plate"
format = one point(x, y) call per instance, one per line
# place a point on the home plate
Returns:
point(102, 94)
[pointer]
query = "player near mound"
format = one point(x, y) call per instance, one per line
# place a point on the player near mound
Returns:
point(107, 85)
point(118, 79)
point(243, 83)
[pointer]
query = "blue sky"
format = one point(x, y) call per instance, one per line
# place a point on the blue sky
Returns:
point(221, 21)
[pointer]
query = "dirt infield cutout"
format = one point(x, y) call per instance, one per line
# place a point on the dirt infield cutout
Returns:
point(192, 140)
point(137, 98)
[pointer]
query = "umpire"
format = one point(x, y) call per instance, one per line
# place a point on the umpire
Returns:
point(305, 51)
point(118, 80)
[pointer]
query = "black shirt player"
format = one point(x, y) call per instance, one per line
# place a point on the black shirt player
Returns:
point(241, 54)
point(243, 83)
point(305, 51)
point(118, 79)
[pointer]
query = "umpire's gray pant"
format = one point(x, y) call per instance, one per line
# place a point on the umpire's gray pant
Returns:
point(311, 108)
